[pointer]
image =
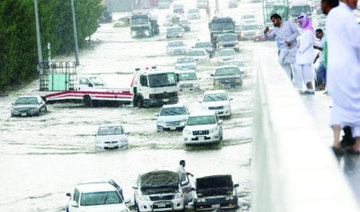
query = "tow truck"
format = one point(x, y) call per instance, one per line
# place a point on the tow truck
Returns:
point(143, 24)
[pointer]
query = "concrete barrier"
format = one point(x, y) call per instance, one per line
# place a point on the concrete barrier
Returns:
point(293, 171)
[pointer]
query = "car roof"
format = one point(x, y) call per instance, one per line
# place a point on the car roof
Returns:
point(202, 113)
point(110, 125)
point(214, 92)
point(227, 66)
point(172, 106)
point(95, 187)
point(37, 96)
point(185, 72)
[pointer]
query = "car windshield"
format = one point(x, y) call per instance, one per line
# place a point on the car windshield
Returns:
point(201, 120)
point(173, 111)
point(227, 71)
point(187, 76)
point(235, 63)
point(162, 80)
point(228, 52)
point(295, 11)
point(227, 38)
point(174, 44)
point(215, 97)
point(111, 130)
point(194, 11)
point(203, 45)
point(174, 30)
point(100, 198)
point(196, 53)
point(97, 81)
point(223, 25)
point(250, 27)
point(26, 101)
point(185, 60)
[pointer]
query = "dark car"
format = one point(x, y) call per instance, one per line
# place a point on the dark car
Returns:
point(215, 192)
point(28, 106)
point(227, 76)
point(228, 41)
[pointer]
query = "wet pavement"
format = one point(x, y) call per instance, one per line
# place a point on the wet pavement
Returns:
point(43, 157)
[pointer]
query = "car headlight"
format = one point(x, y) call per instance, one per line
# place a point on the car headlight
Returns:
point(238, 81)
point(133, 33)
point(142, 197)
point(242, 34)
point(220, 46)
point(216, 82)
point(213, 130)
point(178, 195)
point(187, 132)
point(201, 200)
point(147, 33)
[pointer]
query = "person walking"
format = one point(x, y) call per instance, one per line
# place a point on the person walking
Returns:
point(181, 170)
point(305, 57)
point(321, 70)
point(286, 33)
point(343, 70)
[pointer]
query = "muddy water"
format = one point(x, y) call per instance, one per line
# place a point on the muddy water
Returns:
point(42, 158)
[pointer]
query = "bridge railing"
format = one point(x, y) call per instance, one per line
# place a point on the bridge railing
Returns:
point(293, 170)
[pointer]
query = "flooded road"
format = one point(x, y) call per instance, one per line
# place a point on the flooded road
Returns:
point(42, 158)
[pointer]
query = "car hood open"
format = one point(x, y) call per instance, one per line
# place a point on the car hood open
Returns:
point(161, 178)
point(214, 185)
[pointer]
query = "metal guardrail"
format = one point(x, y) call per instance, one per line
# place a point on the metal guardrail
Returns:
point(293, 170)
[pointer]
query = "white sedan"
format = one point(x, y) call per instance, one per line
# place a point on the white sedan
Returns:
point(199, 55)
point(111, 137)
point(217, 101)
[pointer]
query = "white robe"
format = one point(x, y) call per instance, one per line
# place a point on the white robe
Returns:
point(343, 73)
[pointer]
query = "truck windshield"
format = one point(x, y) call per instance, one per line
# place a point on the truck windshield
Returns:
point(100, 198)
point(26, 101)
point(173, 111)
point(201, 120)
point(227, 71)
point(187, 76)
point(295, 11)
point(97, 81)
point(162, 80)
point(223, 25)
point(142, 20)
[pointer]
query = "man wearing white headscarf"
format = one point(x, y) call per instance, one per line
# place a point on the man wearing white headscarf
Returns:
point(343, 76)
point(304, 57)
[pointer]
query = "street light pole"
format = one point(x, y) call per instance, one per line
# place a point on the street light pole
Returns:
point(75, 34)
point(38, 32)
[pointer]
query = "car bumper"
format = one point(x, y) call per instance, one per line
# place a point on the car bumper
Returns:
point(25, 113)
point(162, 127)
point(222, 112)
point(161, 101)
point(216, 204)
point(189, 88)
point(170, 205)
point(233, 83)
point(202, 139)
point(119, 145)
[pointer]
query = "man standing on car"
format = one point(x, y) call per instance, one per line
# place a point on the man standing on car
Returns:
point(286, 32)
point(181, 170)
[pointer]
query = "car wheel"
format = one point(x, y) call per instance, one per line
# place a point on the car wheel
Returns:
point(140, 102)
point(87, 101)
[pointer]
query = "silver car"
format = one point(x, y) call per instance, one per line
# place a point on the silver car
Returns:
point(176, 48)
point(172, 117)
point(185, 63)
point(111, 137)
point(28, 106)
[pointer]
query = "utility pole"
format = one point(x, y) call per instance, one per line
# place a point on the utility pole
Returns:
point(217, 10)
point(38, 32)
point(75, 34)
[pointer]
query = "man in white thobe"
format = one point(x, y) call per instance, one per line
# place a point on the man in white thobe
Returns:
point(343, 73)
point(182, 172)
point(286, 33)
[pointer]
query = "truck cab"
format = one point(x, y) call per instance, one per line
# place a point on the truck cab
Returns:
point(143, 24)
point(86, 83)
point(155, 87)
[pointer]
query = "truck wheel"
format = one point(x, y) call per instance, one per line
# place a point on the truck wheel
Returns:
point(140, 102)
point(87, 101)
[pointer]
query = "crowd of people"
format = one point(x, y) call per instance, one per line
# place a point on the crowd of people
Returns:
point(339, 64)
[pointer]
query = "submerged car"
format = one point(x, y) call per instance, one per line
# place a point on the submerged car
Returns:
point(28, 106)
point(185, 63)
point(249, 31)
point(217, 101)
point(226, 55)
point(96, 196)
point(208, 46)
point(194, 14)
point(172, 117)
point(199, 55)
point(228, 41)
point(188, 81)
point(174, 32)
point(203, 127)
point(176, 48)
point(162, 191)
point(185, 24)
point(111, 137)
point(238, 63)
point(216, 192)
point(227, 76)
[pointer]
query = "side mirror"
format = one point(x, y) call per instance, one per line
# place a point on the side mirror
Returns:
point(90, 85)
point(236, 185)
point(68, 194)
point(134, 187)
point(221, 121)
point(231, 99)
point(74, 204)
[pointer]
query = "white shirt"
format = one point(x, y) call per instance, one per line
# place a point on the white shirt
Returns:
point(305, 53)
point(182, 172)
point(287, 32)
point(343, 71)
point(321, 44)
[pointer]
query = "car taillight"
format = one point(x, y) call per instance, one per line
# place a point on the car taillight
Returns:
point(152, 95)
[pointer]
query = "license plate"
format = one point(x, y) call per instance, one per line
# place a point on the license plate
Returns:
point(172, 128)
point(166, 100)
point(161, 205)
point(23, 114)
point(201, 138)
point(215, 206)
